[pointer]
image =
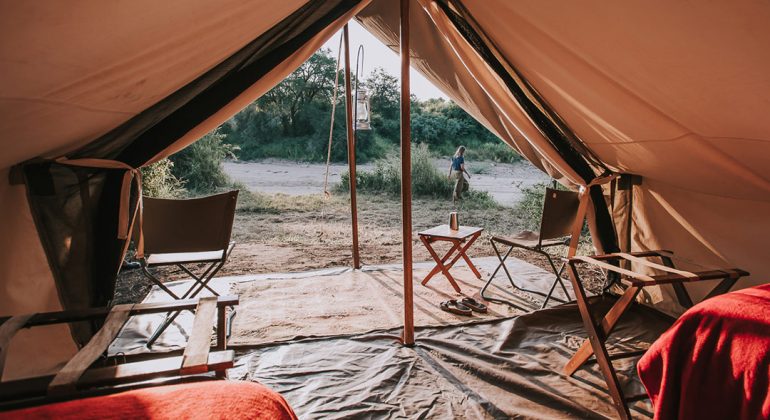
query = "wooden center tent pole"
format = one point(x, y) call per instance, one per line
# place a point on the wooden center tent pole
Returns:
point(406, 177)
point(351, 149)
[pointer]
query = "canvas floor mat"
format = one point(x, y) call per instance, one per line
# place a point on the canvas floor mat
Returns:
point(499, 369)
point(367, 300)
point(286, 306)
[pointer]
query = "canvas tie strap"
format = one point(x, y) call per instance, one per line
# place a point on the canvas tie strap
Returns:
point(7, 331)
point(66, 379)
point(131, 175)
point(696, 264)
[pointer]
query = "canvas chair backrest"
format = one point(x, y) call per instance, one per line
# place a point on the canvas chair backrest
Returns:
point(193, 225)
point(559, 212)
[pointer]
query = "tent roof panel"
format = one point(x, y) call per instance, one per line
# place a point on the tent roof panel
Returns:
point(74, 70)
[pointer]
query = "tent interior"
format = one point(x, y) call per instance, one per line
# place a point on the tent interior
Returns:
point(670, 94)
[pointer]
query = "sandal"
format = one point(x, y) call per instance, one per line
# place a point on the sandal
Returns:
point(455, 307)
point(474, 305)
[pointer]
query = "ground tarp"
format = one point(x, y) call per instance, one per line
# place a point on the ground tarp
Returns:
point(506, 364)
point(285, 306)
point(500, 369)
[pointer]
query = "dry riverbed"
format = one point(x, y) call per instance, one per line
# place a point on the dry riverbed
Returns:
point(503, 181)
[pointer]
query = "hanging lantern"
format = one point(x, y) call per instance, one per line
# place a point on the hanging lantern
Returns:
point(363, 117)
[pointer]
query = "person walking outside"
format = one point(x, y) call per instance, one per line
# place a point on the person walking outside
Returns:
point(458, 166)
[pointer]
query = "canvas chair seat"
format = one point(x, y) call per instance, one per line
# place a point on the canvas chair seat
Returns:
point(171, 258)
point(529, 239)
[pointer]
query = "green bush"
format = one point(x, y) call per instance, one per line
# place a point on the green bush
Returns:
point(199, 166)
point(476, 151)
point(497, 152)
point(159, 181)
point(427, 181)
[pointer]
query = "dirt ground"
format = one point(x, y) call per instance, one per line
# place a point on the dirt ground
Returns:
point(298, 233)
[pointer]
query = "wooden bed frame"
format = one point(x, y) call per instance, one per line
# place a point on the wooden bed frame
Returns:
point(90, 370)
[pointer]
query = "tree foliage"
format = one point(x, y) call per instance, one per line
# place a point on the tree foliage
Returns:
point(199, 166)
point(292, 120)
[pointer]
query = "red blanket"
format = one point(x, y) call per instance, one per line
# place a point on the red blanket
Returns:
point(209, 400)
point(714, 362)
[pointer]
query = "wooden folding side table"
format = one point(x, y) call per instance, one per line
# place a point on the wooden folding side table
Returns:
point(461, 240)
point(598, 331)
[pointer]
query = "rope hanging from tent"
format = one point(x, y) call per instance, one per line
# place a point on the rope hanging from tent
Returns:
point(331, 124)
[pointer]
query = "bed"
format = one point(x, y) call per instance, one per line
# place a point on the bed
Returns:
point(714, 362)
point(207, 399)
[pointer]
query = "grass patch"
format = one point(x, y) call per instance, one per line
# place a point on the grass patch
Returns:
point(427, 181)
point(496, 152)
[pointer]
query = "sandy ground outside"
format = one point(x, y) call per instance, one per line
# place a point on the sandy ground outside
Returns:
point(503, 181)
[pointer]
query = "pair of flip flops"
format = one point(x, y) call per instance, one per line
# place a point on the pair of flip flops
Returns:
point(464, 307)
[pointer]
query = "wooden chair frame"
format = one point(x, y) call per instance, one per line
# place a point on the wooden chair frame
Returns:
point(599, 329)
point(90, 369)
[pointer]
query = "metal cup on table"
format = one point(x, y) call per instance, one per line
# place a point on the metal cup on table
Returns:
point(454, 221)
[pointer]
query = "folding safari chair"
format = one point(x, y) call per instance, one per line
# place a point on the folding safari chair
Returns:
point(184, 232)
point(560, 209)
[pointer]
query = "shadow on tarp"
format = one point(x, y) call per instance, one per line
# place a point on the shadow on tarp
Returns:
point(497, 369)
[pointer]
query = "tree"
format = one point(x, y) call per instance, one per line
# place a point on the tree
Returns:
point(384, 98)
point(312, 81)
point(292, 119)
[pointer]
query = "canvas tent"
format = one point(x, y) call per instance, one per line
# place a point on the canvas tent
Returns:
point(672, 92)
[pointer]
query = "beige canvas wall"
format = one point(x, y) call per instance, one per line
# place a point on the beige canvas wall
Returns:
point(675, 92)
point(86, 67)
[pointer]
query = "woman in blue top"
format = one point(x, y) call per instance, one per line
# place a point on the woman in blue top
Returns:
point(458, 166)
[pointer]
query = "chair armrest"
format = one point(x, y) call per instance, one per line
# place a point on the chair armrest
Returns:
point(196, 353)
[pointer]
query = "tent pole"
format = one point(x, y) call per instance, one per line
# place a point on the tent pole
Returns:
point(406, 177)
point(351, 149)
